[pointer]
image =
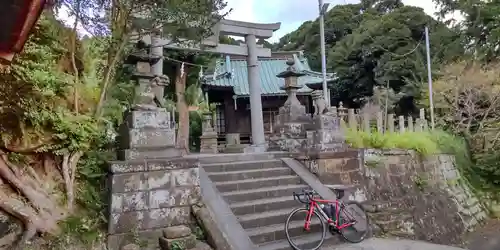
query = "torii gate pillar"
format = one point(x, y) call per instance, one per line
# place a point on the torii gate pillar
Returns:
point(257, 125)
point(251, 32)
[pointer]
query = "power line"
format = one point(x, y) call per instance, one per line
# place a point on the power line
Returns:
point(399, 55)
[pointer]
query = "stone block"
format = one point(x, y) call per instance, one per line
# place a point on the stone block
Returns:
point(146, 240)
point(149, 138)
point(131, 247)
point(330, 165)
point(176, 232)
point(127, 166)
point(125, 202)
point(165, 179)
point(233, 139)
point(208, 144)
point(172, 163)
point(161, 179)
point(214, 234)
point(160, 119)
point(188, 242)
point(128, 182)
point(186, 177)
point(236, 148)
point(140, 154)
point(127, 222)
point(167, 217)
point(181, 196)
point(143, 67)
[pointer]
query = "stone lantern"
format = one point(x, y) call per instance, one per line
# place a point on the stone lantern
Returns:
point(290, 129)
point(292, 108)
point(208, 138)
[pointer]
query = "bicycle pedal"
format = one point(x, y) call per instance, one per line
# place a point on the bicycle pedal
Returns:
point(333, 230)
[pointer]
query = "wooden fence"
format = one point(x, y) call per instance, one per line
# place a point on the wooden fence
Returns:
point(369, 122)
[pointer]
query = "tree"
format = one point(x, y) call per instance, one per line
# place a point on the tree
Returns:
point(42, 130)
point(186, 91)
point(479, 26)
point(376, 44)
point(467, 102)
point(55, 100)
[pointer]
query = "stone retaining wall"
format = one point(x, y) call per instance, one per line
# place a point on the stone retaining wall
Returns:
point(148, 196)
point(406, 195)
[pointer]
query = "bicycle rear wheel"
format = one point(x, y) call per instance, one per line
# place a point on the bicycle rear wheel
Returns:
point(354, 212)
point(295, 230)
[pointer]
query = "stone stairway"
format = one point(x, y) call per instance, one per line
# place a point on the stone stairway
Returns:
point(259, 193)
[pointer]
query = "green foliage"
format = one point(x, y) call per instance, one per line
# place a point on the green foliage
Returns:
point(466, 100)
point(178, 245)
point(375, 43)
point(421, 142)
point(478, 25)
point(199, 233)
point(421, 181)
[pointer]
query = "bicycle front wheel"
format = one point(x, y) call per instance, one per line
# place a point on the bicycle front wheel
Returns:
point(300, 238)
point(354, 213)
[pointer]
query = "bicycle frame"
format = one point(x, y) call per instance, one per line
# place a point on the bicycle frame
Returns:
point(314, 205)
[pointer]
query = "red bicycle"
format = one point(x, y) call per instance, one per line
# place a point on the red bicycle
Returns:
point(346, 218)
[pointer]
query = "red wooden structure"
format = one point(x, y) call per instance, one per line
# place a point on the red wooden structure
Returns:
point(17, 18)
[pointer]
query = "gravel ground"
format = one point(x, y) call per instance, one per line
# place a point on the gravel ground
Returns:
point(486, 237)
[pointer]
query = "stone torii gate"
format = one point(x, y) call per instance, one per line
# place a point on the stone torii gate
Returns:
point(251, 32)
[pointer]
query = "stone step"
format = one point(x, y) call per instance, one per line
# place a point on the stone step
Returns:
point(304, 242)
point(243, 165)
point(228, 186)
point(249, 174)
point(230, 158)
point(276, 232)
point(263, 205)
point(260, 193)
point(267, 218)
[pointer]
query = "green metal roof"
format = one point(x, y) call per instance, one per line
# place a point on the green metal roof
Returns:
point(233, 73)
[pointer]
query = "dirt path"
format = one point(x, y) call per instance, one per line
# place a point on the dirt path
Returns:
point(486, 237)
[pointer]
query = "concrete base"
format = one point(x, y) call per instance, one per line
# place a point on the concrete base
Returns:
point(238, 148)
point(256, 148)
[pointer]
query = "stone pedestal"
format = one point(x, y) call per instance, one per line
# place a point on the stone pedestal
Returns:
point(208, 138)
point(151, 186)
point(233, 143)
point(147, 134)
point(292, 123)
point(328, 134)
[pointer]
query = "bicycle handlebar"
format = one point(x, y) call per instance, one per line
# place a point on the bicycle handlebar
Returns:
point(307, 194)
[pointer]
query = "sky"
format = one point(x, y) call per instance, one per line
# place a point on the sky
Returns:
point(292, 13)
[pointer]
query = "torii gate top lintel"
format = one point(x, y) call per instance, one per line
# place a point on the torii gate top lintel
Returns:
point(230, 28)
point(240, 28)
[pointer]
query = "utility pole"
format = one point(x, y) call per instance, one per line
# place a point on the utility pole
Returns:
point(429, 75)
point(322, 10)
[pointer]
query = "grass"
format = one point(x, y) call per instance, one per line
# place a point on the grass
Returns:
point(425, 143)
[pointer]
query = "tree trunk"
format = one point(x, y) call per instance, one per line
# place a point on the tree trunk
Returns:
point(28, 200)
point(182, 108)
